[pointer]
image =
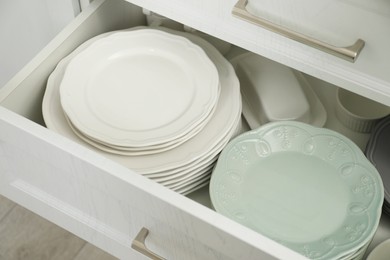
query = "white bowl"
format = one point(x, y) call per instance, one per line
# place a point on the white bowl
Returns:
point(358, 113)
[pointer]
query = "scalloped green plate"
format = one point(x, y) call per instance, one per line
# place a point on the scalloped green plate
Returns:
point(311, 189)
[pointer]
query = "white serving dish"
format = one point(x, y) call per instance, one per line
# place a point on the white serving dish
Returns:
point(274, 92)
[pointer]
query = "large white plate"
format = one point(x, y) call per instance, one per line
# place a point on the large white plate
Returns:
point(308, 188)
point(150, 149)
point(185, 176)
point(201, 175)
point(139, 88)
point(211, 140)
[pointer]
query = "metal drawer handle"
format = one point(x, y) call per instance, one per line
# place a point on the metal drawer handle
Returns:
point(349, 53)
point(139, 245)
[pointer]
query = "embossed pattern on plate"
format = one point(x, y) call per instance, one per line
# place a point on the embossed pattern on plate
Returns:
point(308, 188)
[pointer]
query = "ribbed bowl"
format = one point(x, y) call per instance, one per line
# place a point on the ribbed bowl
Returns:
point(358, 113)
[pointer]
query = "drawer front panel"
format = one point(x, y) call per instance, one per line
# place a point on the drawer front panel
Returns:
point(367, 76)
point(105, 203)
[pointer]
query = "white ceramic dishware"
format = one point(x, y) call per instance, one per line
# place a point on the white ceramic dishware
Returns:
point(139, 88)
point(377, 151)
point(177, 162)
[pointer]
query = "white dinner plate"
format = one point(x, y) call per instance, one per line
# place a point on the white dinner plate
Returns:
point(186, 175)
point(193, 187)
point(139, 88)
point(179, 178)
point(211, 139)
point(201, 175)
point(137, 151)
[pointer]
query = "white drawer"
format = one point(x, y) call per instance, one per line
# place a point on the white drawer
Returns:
point(350, 20)
point(93, 197)
point(107, 204)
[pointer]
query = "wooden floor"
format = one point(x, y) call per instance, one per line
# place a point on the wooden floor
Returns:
point(26, 236)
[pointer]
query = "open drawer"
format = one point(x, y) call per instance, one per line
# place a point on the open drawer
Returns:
point(93, 197)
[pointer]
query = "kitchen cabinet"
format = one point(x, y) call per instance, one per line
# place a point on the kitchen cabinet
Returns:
point(108, 204)
point(42, 20)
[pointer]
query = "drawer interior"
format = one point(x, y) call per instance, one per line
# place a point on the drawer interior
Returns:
point(23, 94)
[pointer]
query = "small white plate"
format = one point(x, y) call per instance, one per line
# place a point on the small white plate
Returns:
point(139, 88)
point(193, 187)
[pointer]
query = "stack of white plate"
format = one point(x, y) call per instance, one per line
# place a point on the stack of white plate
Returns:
point(310, 189)
point(139, 92)
point(161, 102)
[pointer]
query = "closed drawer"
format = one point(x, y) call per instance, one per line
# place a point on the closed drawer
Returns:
point(91, 196)
point(339, 23)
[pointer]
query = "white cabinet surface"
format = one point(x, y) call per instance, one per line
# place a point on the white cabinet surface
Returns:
point(368, 76)
point(106, 203)
point(26, 27)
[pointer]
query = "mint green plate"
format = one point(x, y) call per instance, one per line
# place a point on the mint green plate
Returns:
point(311, 189)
